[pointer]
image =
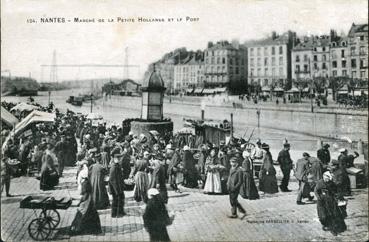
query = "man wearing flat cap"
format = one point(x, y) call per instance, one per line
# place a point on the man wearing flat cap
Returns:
point(116, 187)
point(324, 155)
point(284, 160)
point(234, 184)
point(301, 174)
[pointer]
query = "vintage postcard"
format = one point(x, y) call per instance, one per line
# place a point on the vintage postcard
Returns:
point(214, 120)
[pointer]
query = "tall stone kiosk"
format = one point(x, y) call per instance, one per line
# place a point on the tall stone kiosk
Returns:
point(152, 107)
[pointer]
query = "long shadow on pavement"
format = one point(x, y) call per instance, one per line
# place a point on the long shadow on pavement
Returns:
point(179, 195)
point(123, 229)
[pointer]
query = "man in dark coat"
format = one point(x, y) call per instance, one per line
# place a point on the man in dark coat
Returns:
point(200, 166)
point(125, 163)
point(324, 155)
point(5, 173)
point(190, 172)
point(61, 151)
point(343, 163)
point(285, 162)
point(301, 174)
point(158, 179)
point(224, 161)
point(233, 185)
point(116, 188)
point(174, 168)
point(316, 171)
point(156, 217)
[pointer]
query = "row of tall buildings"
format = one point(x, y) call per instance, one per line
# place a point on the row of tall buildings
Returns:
point(270, 61)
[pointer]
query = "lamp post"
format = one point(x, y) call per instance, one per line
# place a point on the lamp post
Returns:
point(311, 99)
point(231, 125)
point(203, 110)
point(49, 97)
point(170, 92)
point(91, 102)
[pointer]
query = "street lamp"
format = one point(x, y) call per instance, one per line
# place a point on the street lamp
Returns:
point(91, 102)
point(49, 97)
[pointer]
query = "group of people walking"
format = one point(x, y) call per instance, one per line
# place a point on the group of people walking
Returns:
point(111, 163)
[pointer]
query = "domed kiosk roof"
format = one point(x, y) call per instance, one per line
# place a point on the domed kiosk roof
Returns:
point(153, 82)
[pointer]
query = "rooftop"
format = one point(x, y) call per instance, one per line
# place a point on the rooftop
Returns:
point(272, 40)
point(222, 45)
point(309, 43)
point(358, 28)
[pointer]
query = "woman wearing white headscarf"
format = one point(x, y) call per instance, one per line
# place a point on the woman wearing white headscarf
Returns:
point(248, 189)
point(329, 213)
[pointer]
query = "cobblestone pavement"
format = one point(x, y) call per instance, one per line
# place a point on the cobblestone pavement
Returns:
point(197, 217)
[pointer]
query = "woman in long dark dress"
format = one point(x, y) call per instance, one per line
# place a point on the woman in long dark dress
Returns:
point(190, 172)
point(49, 175)
point(99, 194)
point(141, 180)
point(330, 215)
point(267, 174)
point(156, 218)
point(87, 220)
point(248, 189)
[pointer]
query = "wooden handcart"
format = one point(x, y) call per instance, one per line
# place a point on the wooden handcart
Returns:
point(41, 227)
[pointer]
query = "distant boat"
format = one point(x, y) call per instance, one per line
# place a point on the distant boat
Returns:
point(88, 97)
point(76, 101)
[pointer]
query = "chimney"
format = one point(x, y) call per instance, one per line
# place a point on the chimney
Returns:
point(236, 44)
point(332, 35)
point(274, 35)
point(210, 44)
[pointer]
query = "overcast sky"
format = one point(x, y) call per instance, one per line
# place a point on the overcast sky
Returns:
point(25, 46)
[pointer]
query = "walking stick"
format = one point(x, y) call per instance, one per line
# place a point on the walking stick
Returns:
point(252, 133)
point(245, 133)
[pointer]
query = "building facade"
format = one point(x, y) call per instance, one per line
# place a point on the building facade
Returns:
point(311, 58)
point(269, 60)
point(189, 73)
point(225, 64)
point(358, 51)
point(339, 55)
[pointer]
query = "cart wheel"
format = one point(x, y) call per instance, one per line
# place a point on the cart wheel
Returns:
point(53, 217)
point(39, 229)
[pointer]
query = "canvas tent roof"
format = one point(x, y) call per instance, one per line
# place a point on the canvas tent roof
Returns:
point(220, 89)
point(278, 89)
point(34, 117)
point(306, 89)
point(198, 90)
point(293, 89)
point(208, 91)
point(94, 116)
point(358, 93)
point(265, 89)
point(344, 88)
point(24, 106)
point(7, 117)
